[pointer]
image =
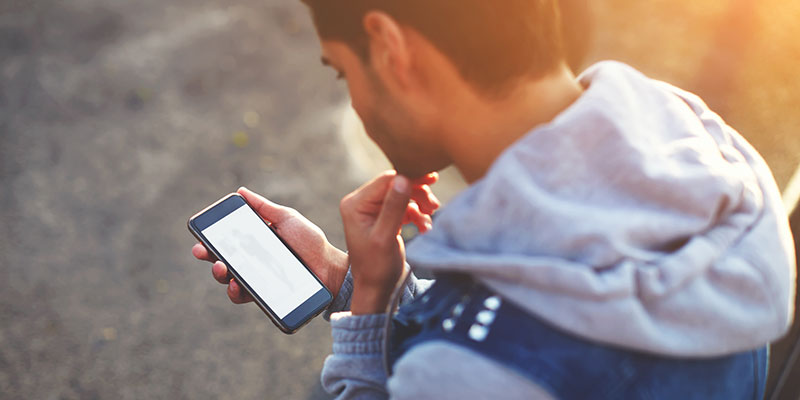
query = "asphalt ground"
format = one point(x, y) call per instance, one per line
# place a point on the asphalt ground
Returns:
point(118, 120)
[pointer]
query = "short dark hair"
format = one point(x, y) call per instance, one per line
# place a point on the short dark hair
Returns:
point(491, 42)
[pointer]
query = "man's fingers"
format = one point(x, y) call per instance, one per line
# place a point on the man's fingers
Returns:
point(394, 208)
point(220, 272)
point(375, 190)
point(414, 216)
point(422, 195)
point(427, 179)
point(268, 210)
point(369, 196)
point(221, 275)
point(201, 253)
point(412, 213)
point(237, 294)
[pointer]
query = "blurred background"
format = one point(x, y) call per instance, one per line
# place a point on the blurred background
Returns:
point(119, 120)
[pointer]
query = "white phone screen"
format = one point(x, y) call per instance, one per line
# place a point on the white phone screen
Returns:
point(262, 260)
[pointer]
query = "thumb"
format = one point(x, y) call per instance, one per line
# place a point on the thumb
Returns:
point(394, 208)
point(268, 210)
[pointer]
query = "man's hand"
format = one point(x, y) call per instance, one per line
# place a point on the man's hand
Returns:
point(306, 239)
point(372, 217)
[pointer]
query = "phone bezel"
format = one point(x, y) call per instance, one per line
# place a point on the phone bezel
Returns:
point(298, 317)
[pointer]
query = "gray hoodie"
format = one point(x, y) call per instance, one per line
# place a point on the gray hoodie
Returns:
point(636, 218)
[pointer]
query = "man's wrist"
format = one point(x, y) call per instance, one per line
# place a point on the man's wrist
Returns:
point(368, 299)
point(337, 270)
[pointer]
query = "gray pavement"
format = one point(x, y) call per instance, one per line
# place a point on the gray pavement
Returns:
point(118, 120)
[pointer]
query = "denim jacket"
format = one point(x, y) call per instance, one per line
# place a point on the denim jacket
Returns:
point(456, 309)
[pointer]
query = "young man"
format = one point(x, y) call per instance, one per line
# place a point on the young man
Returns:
point(617, 240)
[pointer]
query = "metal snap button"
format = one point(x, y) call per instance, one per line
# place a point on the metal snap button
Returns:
point(492, 303)
point(478, 332)
point(458, 310)
point(448, 324)
point(485, 317)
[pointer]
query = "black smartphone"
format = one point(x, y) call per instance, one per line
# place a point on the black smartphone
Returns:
point(261, 262)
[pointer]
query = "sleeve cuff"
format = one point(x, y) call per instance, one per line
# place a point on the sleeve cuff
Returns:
point(342, 300)
point(357, 334)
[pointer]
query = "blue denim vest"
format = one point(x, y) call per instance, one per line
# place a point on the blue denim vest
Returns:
point(456, 309)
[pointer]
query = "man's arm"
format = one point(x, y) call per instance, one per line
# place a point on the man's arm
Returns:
point(355, 369)
point(412, 288)
point(372, 216)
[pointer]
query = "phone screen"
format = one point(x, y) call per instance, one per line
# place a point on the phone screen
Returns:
point(262, 260)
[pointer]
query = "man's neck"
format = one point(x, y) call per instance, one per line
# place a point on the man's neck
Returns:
point(479, 130)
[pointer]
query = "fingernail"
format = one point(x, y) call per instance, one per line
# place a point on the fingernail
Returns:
point(428, 226)
point(401, 184)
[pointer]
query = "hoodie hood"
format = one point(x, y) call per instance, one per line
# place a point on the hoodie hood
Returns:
point(635, 218)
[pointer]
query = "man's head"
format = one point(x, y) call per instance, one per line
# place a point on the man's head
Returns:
point(403, 58)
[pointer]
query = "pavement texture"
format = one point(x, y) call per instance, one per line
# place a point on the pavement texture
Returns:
point(119, 120)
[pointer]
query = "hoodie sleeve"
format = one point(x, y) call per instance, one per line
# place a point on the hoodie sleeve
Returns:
point(355, 369)
point(341, 303)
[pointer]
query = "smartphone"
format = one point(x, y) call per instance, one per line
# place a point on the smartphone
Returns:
point(261, 262)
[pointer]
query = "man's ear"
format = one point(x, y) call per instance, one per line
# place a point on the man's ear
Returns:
point(389, 52)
